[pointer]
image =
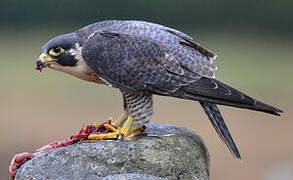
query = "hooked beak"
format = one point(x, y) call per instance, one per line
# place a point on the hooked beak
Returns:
point(43, 61)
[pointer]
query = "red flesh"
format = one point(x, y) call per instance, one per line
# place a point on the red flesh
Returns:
point(40, 65)
point(21, 158)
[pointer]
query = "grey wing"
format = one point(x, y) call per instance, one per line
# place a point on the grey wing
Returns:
point(134, 63)
point(182, 47)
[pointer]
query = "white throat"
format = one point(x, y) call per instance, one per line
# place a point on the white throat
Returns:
point(80, 70)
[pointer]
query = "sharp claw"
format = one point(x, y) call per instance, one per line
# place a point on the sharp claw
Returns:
point(142, 129)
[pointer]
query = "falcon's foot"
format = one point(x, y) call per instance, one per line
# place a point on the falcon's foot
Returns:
point(120, 129)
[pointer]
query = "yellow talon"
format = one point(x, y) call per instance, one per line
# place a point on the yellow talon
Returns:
point(103, 136)
point(136, 128)
point(110, 127)
point(117, 130)
point(127, 126)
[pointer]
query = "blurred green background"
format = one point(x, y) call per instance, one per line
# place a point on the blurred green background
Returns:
point(253, 40)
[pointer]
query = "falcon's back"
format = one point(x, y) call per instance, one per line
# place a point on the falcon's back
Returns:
point(192, 56)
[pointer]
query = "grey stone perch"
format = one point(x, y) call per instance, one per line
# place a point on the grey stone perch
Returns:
point(169, 153)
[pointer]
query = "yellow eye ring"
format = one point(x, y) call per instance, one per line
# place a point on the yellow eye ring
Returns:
point(56, 51)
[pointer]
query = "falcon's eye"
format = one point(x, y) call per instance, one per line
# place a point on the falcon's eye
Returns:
point(56, 51)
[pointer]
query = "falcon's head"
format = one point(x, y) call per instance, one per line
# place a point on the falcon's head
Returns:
point(63, 53)
point(59, 53)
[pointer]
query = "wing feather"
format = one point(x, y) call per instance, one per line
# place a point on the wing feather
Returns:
point(135, 63)
point(189, 54)
point(187, 41)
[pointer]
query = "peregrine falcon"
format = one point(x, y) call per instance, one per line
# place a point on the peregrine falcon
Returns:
point(143, 59)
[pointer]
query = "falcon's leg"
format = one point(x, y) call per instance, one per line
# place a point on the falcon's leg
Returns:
point(139, 106)
point(138, 111)
point(121, 120)
point(117, 131)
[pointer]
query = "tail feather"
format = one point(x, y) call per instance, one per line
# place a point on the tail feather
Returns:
point(209, 92)
point(215, 92)
point(218, 122)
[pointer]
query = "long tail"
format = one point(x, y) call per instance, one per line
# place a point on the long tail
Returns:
point(215, 92)
point(219, 124)
point(210, 92)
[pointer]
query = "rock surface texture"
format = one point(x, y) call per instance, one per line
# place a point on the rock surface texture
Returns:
point(168, 152)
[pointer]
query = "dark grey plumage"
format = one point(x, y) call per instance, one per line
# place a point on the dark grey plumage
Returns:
point(218, 122)
point(142, 58)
